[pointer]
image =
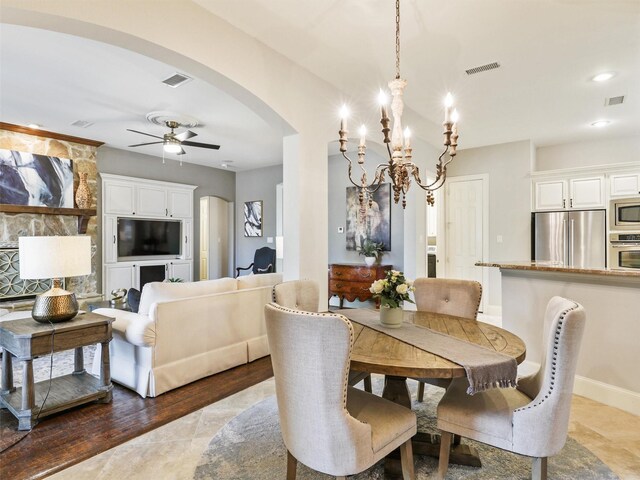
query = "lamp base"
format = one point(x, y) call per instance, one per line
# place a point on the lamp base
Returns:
point(55, 305)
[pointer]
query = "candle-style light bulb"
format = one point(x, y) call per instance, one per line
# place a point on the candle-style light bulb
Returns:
point(448, 103)
point(407, 138)
point(344, 113)
point(383, 100)
point(363, 133)
point(455, 116)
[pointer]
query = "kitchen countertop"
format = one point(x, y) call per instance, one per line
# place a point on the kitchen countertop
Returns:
point(558, 267)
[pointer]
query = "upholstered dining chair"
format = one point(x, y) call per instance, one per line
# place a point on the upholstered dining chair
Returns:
point(264, 261)
point(533, 418)
point(460, 298)
point(328, 426)
point(305, 295)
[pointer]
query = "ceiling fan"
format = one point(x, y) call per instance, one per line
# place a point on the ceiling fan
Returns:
point(172, 142)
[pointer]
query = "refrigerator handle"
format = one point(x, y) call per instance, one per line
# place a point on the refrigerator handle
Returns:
point(571, 228)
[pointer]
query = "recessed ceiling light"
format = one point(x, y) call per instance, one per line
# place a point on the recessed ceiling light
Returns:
point(224, 165)
point(34, 126)
point(603, 77)
point(600, 123)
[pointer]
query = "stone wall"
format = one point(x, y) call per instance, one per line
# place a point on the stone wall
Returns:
point(13, 226)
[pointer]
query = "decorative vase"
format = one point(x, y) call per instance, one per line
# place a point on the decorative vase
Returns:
point(391, 317)
point(83, 194)
point(369, 260)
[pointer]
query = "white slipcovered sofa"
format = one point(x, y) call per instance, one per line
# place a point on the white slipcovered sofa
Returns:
point(187, 331)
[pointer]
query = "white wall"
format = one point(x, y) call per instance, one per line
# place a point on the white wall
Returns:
point(584, 154)
point(258, 184)
point(508, 167)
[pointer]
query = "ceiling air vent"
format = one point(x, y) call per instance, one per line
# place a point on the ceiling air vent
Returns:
point(176, 80)
point(614, 101)
point(483, 68)
point(82, 123)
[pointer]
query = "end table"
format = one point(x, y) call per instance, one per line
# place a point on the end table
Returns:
point(26, 339)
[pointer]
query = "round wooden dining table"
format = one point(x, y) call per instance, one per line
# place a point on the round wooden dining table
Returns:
point(377, 352)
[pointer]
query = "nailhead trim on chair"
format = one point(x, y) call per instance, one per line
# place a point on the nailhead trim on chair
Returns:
point(351, 340)
point(554, 359)
point(479, 300)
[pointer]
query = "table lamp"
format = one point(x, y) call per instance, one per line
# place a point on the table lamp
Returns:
point(55, 258)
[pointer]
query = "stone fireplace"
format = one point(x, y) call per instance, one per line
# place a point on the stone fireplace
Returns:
point(14, 225)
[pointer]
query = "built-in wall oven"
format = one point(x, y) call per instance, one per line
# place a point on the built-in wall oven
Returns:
point(625, 251)
point(624, 214)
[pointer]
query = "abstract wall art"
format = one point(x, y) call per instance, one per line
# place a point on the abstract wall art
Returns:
point(35, 180)
point(253, 218)
point(373, 223)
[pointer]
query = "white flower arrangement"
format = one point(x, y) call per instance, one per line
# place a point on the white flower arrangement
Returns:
point(393, 289)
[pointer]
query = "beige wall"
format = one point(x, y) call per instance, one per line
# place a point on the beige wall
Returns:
point(508, 167)
point(13, 226)
point(587, 154)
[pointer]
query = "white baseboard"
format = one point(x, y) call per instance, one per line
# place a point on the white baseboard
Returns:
point(595, 390)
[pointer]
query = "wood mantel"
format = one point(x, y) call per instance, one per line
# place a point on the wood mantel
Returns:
point(83, 214)
point(44, 133)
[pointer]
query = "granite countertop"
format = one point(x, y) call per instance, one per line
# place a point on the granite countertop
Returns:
point(559, 267)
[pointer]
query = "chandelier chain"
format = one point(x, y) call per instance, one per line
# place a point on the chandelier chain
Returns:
point(397, 38)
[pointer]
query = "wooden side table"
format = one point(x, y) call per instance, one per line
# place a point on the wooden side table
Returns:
point(352, 280)
point(26, 339)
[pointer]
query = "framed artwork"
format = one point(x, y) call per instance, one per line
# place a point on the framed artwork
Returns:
point(253, 218)
point(35, 180)
point(372, 222)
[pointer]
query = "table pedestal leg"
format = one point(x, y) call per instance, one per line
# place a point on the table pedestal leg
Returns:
point(105, 373)
point(78, 361)
point(7, 373)
point(396, 390)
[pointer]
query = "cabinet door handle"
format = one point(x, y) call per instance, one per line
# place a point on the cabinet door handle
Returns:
point(166, 212)
point(185, 239)
point(571, 203)
point(114, 239)
point(564, 202)
point(337, 274)
point(339, 285)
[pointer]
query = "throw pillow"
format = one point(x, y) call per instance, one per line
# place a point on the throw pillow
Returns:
point(133, 299)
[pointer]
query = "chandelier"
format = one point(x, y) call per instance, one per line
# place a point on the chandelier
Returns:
point(400, 167)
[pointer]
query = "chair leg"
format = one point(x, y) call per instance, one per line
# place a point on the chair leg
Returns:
point(367, 384)
point(292, 463)
point(539, 468)
point(445, 447)
point(420, 391)
point(406, 458)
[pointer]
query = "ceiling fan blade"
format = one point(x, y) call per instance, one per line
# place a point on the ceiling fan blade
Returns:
point(185, 135)
point(141, 144)
point(181, 152)
point(142, 133)
point(201, 145)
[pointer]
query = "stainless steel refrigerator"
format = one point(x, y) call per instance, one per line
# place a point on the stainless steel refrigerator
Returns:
point(575, 239)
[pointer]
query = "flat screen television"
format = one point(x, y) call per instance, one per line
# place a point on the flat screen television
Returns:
point(148, 238)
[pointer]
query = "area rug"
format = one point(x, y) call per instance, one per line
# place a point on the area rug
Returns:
point(250, 447)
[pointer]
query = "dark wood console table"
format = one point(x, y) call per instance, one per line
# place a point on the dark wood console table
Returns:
point(352, 280)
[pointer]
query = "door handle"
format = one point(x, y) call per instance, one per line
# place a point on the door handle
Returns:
point(571, 227)
point(114, 239)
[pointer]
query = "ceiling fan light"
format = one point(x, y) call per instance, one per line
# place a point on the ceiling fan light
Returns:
point(172, 147)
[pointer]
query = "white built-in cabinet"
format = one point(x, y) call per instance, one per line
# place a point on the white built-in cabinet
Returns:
point(624, 184)
point(128, 197)
point(569, 193)
point(216, 238)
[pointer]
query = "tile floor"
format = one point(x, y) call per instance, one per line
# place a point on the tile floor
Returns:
point(173, 451)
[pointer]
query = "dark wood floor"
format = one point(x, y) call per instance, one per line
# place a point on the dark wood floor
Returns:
point(62, 440)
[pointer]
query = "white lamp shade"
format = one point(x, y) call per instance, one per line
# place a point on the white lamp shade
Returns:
point(54, 257)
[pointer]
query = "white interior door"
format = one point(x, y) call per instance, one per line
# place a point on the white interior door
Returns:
point(464, 230)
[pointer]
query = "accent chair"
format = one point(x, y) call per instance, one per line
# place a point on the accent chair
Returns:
point(327, 425)
point(460, 298)
point(264, 261)
point(305, 295)
point(533, 418)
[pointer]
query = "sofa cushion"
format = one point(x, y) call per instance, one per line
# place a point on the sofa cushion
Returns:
point(164, 291)
point(261, 280)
